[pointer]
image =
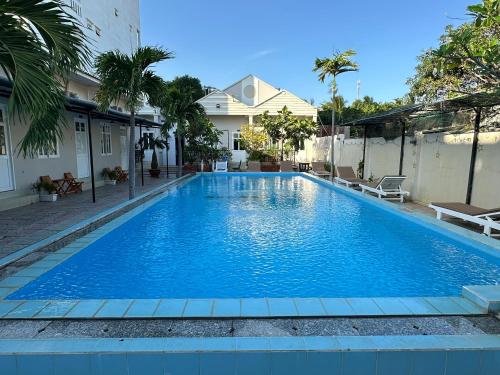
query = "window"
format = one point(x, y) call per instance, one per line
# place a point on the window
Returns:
point(148, 140)
point(105, 139)
point(237, 141)
point(3, 136)
point(302, 146)
point(50, 152)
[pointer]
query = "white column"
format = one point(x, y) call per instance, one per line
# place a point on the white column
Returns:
point(250, 119)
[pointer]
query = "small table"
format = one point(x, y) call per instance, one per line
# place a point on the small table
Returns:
point(303, 167)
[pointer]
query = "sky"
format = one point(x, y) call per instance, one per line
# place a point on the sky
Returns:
point(221, 41)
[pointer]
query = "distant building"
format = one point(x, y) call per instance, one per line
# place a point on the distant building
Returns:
point(110, 25)
point(242, 103)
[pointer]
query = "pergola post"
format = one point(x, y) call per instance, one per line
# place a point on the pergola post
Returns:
point(92, 179)
point(142, 153)
point(365, 128)
point(402, 150)
point(473, 155)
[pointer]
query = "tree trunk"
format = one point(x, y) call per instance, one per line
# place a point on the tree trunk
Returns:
point(333, 129)
point(179, 152)
point(131, 158)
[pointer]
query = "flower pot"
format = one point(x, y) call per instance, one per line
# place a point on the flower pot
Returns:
point(155, 172)
point(109, 182)
point(267, 166)
point(189, 168)
point(46, 197)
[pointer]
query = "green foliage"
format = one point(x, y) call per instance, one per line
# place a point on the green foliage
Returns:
point(39, 43)
point(467, 59)
point(109, 173)
point(44, 186)
point(130, 78)
point(298, 130)
point(202, 140)
point(339, 63)
point(254, 140)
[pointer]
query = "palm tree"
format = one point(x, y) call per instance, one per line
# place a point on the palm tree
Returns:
point(179, 109)
point(40, 44)
point(339, 63)
point(130, 78)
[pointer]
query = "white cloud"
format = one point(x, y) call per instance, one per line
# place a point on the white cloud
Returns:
point(260, 54)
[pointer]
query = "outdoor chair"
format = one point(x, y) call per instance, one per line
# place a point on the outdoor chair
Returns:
point(388, 187)
point(72, 185)
point(286, 166)
point(121, 175)
point(346, 176)
point(318, 169)
point(220, 166)
point(236, 167)
point(59, 185)
point(253, 166)
point(487, 218)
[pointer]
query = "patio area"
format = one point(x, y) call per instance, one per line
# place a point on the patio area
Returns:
point(26, 225)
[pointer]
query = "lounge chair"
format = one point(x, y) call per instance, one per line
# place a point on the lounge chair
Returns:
point(72, 185)
point(318, 169)
point(59, 185)
point(121, 175)
point(236, 167)
point(346, 176)
point(220, 166)
point(253, 166)
point(387, 187)
point(487, 218)
point(286, 166)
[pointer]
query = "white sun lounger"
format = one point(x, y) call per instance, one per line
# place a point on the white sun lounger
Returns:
point(220, 166)
point(388, 187)
point(318, 169)
point(346, 176)
point(487, 218)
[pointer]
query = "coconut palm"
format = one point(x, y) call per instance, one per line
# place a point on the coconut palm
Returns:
point(40, 44)
point(179, 109)
point(339, 63)
point(130, 78)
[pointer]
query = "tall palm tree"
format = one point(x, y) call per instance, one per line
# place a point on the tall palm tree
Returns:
point(40, 44)
point(339, 63)
point(179, 109)
point(130, 78)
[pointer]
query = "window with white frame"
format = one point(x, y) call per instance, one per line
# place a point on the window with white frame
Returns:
point(106, 139)
point(50, 152)
point(237, 144)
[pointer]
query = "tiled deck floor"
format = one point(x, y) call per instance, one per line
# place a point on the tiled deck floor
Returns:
point(23, 226)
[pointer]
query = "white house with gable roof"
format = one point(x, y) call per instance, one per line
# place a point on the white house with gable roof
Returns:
point(242, 103)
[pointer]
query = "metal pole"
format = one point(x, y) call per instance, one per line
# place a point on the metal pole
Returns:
point(92, 179)
point(142, 153)
point(333, 129)
point(473, 155)
point(364, 151)
point(167, 147)
point(402, 152)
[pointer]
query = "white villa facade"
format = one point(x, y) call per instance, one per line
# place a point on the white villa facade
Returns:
point(110, 25)
point(242, 103)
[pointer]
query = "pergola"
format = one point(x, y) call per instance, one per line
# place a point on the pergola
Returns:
point(90, 110)
point(402, 115)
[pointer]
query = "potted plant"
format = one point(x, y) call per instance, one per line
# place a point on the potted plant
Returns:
point(46, 191)
point(110, 176)
point(154, 171)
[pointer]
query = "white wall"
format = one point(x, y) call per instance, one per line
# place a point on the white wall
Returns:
point(436, 167)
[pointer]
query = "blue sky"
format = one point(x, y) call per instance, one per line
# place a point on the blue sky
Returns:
point(221, 41)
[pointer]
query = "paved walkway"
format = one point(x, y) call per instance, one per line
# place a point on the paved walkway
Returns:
point(23, 226)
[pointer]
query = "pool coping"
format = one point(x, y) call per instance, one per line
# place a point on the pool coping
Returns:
point(467, 304)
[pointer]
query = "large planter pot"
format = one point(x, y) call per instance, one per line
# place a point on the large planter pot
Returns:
point(189, 168)
point(269, 167)
point(46, 197)
point(109, 182)
point(155, 172)
point(206, 167)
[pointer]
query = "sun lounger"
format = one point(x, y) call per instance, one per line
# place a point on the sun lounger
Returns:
point(253, 166)
point(487, 218)
point(318, 169)
point(59, 185)
point(121, 175)
point(388, 187)
point(72, 185)
point(286, 166)
point(220, 166)
point(346, 176)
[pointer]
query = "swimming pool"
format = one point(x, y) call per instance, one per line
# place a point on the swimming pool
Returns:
point(244, 235)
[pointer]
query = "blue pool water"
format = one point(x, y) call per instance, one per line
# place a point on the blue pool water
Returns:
point(273, 236)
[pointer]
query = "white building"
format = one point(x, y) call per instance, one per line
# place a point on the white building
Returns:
point(110, 25)
point(242, 103)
